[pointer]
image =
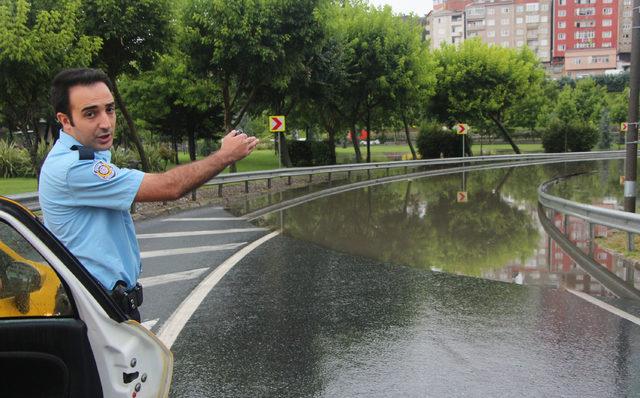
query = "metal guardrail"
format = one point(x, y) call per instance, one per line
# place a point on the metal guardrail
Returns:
point(30, 200)
point(622, 220)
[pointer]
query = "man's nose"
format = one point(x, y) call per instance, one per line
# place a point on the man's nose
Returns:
point(105, 121)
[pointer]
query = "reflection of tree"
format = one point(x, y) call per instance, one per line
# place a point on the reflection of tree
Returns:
point(421, 224)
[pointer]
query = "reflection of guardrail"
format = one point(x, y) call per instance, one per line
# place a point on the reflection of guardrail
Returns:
point(629, 222)
point(31, 199)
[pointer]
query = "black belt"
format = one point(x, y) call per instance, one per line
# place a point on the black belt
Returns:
point(127, 299)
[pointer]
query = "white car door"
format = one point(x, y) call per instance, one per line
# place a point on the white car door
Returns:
point(60, 334)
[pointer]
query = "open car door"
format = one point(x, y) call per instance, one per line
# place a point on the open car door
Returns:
point(60, 334)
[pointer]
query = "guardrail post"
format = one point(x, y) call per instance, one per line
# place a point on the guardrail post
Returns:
point(387, 172)
point(629, 273)
point(348, 174)
point(246, 186)
point(406, 169)
point(268, 183)
point(194, 195)
point(220, 190)
point(631, 245)
point(592, 245)
point(329, 178)
point(565, 225)
point(310, 177)
point(289, 180)
point(369, 174)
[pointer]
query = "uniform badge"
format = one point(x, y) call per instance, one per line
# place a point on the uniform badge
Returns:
point(103, 170)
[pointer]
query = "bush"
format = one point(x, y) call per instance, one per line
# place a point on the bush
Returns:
point(574, 137)
point(14, 161)
point(207, 147)
point(434, 141)
point(309, 153)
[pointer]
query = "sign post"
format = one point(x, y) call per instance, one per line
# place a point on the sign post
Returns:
point(462, 129)
point(276, 125)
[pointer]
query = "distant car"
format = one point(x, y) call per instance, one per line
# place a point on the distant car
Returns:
point(60, 333)
point(373, 142)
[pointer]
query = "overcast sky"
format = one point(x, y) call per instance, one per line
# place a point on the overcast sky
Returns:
point(420, 7)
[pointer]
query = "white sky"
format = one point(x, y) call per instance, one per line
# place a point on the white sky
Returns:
point(420, 7)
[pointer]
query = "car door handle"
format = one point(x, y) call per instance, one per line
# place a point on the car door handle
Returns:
point(129, 377)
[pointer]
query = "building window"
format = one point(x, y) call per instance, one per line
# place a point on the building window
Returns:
point(585, 34)
point(585, 1)
point(585, 24)
point(586, 11)
point(532, 18)
point(519, 20)
point(505, 44)
point(519, 8)
point(504, 32)
point(491, 22)
point(562, 2)
point(519, 32)
point(627, 14)
point(607, 11)
point(562, 25)
point(606, 44)
point(588, 44)
point(562, 36)
point(607, 1)
point(519, 43)
point(544, 7)
point(532, 7)
point(606, 22)
point(561, 47)
point(543, 42)
point(577, 61)
point(504, 21)
point(562, 13)
point(491, 33)
point(490, 11)
point(505, 10)
point(606, 34)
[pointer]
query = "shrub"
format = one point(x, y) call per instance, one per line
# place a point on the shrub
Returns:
point(14, 161)
point(434, 141)
point(207, 147)
point(309, 153)
point(569, 137)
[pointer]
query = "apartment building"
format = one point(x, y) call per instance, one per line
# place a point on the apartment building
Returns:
point(445, 27)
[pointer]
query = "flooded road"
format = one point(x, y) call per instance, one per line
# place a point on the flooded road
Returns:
point(397, 290)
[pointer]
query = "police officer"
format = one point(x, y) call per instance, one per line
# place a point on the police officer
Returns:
point(85, 198)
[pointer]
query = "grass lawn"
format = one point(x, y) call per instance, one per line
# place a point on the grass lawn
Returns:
point(12, 186)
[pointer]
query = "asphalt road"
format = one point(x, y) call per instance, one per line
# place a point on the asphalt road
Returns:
point(293, 319)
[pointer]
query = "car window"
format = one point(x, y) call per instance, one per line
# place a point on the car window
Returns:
point(29, 287)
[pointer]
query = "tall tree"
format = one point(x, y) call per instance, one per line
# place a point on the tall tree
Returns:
point(246, 45)
point(478, 81)
point(35, 43)
point(133, 32)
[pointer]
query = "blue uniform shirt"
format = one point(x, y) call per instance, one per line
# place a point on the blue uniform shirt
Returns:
point(86, 205)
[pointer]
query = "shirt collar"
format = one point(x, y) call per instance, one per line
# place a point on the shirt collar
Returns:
point(68, 140)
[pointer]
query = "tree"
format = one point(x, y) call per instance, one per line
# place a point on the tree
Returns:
point(605, 129)
point(245, 46)
point(35, 43)
point(477, 81)
point(133, 33)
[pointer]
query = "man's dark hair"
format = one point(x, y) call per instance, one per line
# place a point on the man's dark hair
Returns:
point(74, 77)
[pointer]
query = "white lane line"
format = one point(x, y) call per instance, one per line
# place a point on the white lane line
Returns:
point(174, 325)
point(190, 250)
point(197, 233)
point(150, 323)
point(606, 307)
point(173, 277)
point(205, 219)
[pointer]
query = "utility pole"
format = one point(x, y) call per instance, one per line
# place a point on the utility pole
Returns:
point(632, 133)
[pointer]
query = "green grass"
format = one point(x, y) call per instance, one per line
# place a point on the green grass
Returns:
point(12, 186)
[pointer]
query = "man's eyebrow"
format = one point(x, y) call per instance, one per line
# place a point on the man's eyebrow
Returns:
point(92, 107)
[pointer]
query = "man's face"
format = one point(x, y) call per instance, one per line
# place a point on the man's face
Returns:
point(94, 116)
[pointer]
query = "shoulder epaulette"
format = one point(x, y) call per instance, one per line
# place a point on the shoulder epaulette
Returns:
point(84, 152)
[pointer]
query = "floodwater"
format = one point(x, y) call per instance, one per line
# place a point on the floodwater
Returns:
point(398, 290)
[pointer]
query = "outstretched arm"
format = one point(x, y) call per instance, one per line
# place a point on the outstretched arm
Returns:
point(176, 182)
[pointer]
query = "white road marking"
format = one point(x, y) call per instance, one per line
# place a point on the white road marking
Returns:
point(173, 277)
point(190, 250)
point(205, 219)
point(174, 325)
point(606, 307)
point(150, 323)
point(197, 233)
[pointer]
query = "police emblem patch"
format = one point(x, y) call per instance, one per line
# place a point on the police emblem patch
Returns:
point(103, 170)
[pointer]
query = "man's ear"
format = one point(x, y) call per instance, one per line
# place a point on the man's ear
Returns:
point(64, 120)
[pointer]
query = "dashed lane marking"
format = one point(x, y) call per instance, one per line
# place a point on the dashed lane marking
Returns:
point(205, 219)
point(173, 277)
point(190, 250)
point(197, 233)
point(606, 307)
point(174, 325)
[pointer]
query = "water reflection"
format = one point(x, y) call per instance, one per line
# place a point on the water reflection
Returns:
point(495, 234)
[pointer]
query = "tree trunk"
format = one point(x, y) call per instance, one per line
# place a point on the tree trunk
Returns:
point(505, 134)
point(282, 147)
point(406, 131)
point(332, 145)
point(133, 133)
point(368, 122)
point(356, 144)
point(175, 150)
point(192, 146)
